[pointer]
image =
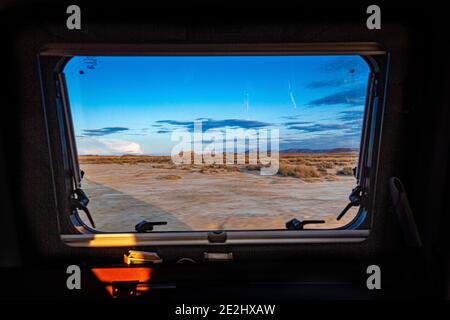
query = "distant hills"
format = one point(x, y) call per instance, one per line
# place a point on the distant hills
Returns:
point(334, 150)
point(292, 150)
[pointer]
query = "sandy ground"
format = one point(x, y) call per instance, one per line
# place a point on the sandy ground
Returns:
point(124, 194)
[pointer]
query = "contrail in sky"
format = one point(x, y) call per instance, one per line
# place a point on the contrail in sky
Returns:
point(291, 94)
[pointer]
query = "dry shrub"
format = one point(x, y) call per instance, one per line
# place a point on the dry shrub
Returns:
point(298, 171)
point(169, 177)
point(307, 166)
point(163, 166)
point(218, 168)
point(327, 164)
point(295, 161)
point(322, 170)
point(345, 171)
point(253, 167)
point(125, 159)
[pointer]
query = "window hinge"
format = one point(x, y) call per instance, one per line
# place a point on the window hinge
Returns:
point(80, 201)
point(355, 198)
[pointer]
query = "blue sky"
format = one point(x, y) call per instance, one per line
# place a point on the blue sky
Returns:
point(124, 105)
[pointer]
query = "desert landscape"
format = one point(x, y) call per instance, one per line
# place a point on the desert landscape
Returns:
point(125, 190)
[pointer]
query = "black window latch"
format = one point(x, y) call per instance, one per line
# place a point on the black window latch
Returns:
point(145, 226)
point(296, 224)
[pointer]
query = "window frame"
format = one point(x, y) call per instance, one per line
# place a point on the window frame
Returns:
point(74, 232)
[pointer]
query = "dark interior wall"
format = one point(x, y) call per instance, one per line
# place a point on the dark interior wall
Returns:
point(428, 151)
point(414, 132)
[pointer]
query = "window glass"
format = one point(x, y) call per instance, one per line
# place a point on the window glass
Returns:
point(217, 142)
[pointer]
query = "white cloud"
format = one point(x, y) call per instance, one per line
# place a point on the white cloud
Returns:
point(101, 146)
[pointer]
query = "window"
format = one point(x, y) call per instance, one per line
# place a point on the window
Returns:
point(208, 142)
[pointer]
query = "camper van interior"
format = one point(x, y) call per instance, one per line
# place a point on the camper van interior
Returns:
point(222, 158)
